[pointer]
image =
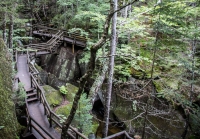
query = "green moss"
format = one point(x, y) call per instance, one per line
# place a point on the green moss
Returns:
point(95, 125)
point(63, 71)
point(71, 91)
point(158, 85)
point(137, 73)
point(53, 96)
point(64, 110)
point(8, 120)
point(38, 68)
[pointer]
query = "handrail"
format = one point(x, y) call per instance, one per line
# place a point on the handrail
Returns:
point(53, 118)
point(118, 134)
point(47, 108)
point(66, 33)
point(50, 44)
point(55, 36)
point(32, 119)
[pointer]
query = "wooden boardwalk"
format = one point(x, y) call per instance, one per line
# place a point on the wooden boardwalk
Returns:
point(66, 39)
point(73, 38)
point(43, 123)
point(36, 109)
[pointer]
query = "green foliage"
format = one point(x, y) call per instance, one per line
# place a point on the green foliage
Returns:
point(79, 30)
point(19, 96)
point(83, 116)
point(83, 119)
point(85, 58)
point(127, 60)
point(63, 90)
point(63, 118)
point(195, 121)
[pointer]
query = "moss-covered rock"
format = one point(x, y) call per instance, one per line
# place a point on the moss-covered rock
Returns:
point(71, 91)
point(54, 97)
point(64, 110)
point(64, 65)
point(9, 126)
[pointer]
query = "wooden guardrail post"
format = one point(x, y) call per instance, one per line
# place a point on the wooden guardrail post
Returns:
point(38, 93)
point(50, 119)
point(77, 136)
point(31, 80)
point(45, 111)
point(40, 97)
point(30, 125)
point(73, 45)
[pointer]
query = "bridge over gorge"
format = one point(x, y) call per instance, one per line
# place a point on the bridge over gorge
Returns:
point(42, 122)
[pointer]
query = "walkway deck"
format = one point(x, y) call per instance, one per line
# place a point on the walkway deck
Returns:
point(36, 110)
point(23, 73)
point(66, 39)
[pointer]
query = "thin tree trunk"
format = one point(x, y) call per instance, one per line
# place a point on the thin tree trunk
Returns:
point(88, 74)
point(126, 12)
point(111, 70)
point(145, 119)
point(4, 27)
point(10, 43)
point(86, 77)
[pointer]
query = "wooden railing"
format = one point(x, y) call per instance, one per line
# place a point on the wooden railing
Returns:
point(33, 123)
point(119, 134)
point(75, 36)
point(48, 46)
point(54, 120)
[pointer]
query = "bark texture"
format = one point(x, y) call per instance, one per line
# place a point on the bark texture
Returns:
point(111, 70)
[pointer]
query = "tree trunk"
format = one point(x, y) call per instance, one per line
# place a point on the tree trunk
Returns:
point(111, 70)
point(99, 81)
point(86, 77)
point(126, 12)
point(10, 35)
point(88, 74)
point(4, 27)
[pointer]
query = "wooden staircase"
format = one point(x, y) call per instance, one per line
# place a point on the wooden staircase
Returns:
point(31, 95)
point(50, 46)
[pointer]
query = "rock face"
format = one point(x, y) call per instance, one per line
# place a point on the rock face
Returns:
point(8, 121)
point(64, 65)
point(129, 104)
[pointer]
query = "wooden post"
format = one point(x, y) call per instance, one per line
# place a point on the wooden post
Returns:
point(73, 45)
point(73, 48)
point(45, 111)
point(50, 120)
point(31, 81)
point(30, 125)
point(77, 136)
point(38, 93)
point(40, 97)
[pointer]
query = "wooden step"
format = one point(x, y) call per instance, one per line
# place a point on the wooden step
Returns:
point(40, 131)
point(31, 94)
point(30, 90)
point(32, 99)
point(28, 135)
